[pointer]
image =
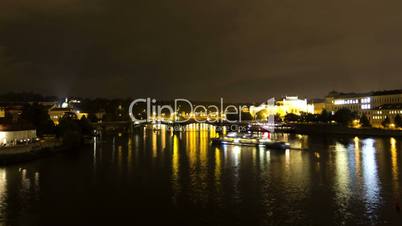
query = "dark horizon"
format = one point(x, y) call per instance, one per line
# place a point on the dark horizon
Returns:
point(29, 96)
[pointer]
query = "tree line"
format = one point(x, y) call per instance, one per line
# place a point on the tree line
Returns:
point(343, 117)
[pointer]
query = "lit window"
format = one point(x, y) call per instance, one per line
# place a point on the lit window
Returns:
point(338, 102)
point(365, 100)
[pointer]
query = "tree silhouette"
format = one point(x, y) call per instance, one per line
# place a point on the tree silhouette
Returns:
point(39, 117)
point(398, 121)
point(344, 116)
point(386, 122)
point(325, 116)
point(364, 122)
point(290, 117)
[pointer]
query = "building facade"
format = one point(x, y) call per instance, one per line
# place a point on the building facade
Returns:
point(289, 104)
point(68, 109)
point(375, 105)
point(11, 133)
point(294, 105)
point(57, 113)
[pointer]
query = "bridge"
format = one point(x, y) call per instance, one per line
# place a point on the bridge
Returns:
point(129, 125)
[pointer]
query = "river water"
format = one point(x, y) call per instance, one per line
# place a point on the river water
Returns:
point(157, 177)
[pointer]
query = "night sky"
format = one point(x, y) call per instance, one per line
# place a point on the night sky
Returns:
point(237, 49)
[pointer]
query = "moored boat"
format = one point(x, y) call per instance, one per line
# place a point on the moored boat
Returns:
point(250, 140)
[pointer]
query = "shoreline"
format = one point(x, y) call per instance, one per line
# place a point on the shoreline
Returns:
point(28, 152)
point(328, 129)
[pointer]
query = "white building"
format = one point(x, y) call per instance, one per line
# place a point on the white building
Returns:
point(10, 137)
point(289, 104)
point(375, 105)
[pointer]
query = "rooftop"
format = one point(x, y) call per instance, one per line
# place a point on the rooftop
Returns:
point(336, 94)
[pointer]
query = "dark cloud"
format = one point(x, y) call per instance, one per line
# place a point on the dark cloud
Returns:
point(246, 50)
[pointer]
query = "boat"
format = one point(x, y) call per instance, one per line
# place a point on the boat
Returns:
point(250, 139)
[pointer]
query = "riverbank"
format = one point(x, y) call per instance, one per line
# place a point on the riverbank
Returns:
point(331, 129)
point(27, 152)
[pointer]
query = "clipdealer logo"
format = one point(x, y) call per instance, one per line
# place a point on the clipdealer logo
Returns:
point(195, 113)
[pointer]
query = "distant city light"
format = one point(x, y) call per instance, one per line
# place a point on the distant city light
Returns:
point(342, 101)
point(365, 100)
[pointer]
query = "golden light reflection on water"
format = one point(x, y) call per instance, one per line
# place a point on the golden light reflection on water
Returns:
point(341, 172)
point(212, 132)
point(190, 142)
point(342, 185)
point(395, 168)
point(29, 181)
point(154, 144)
point(357, 151)
point(25, 181)
point(175, 167)
point(18, 187)
point(204, 145)
point(217, 179)
point(120, 157)
point(130, 153)
point(218, 166)
point(163, 138)
point(354, 164)
point(195, 159)
point(175, 158)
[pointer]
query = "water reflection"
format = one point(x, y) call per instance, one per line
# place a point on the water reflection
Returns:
point(175, 165)
point(3, 187)
point(19, 190)
point(343, 192)
point(370, 175)
point(357, 157)
point(130, 152)
point(395, 168)
point(324, 180)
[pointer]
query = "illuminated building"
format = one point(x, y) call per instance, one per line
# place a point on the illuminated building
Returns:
point(14, 133)
point(285, 106)
point(57, 112)
point(375, 105)
point(319, 105)
point(379, 114)
point(294, 105)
